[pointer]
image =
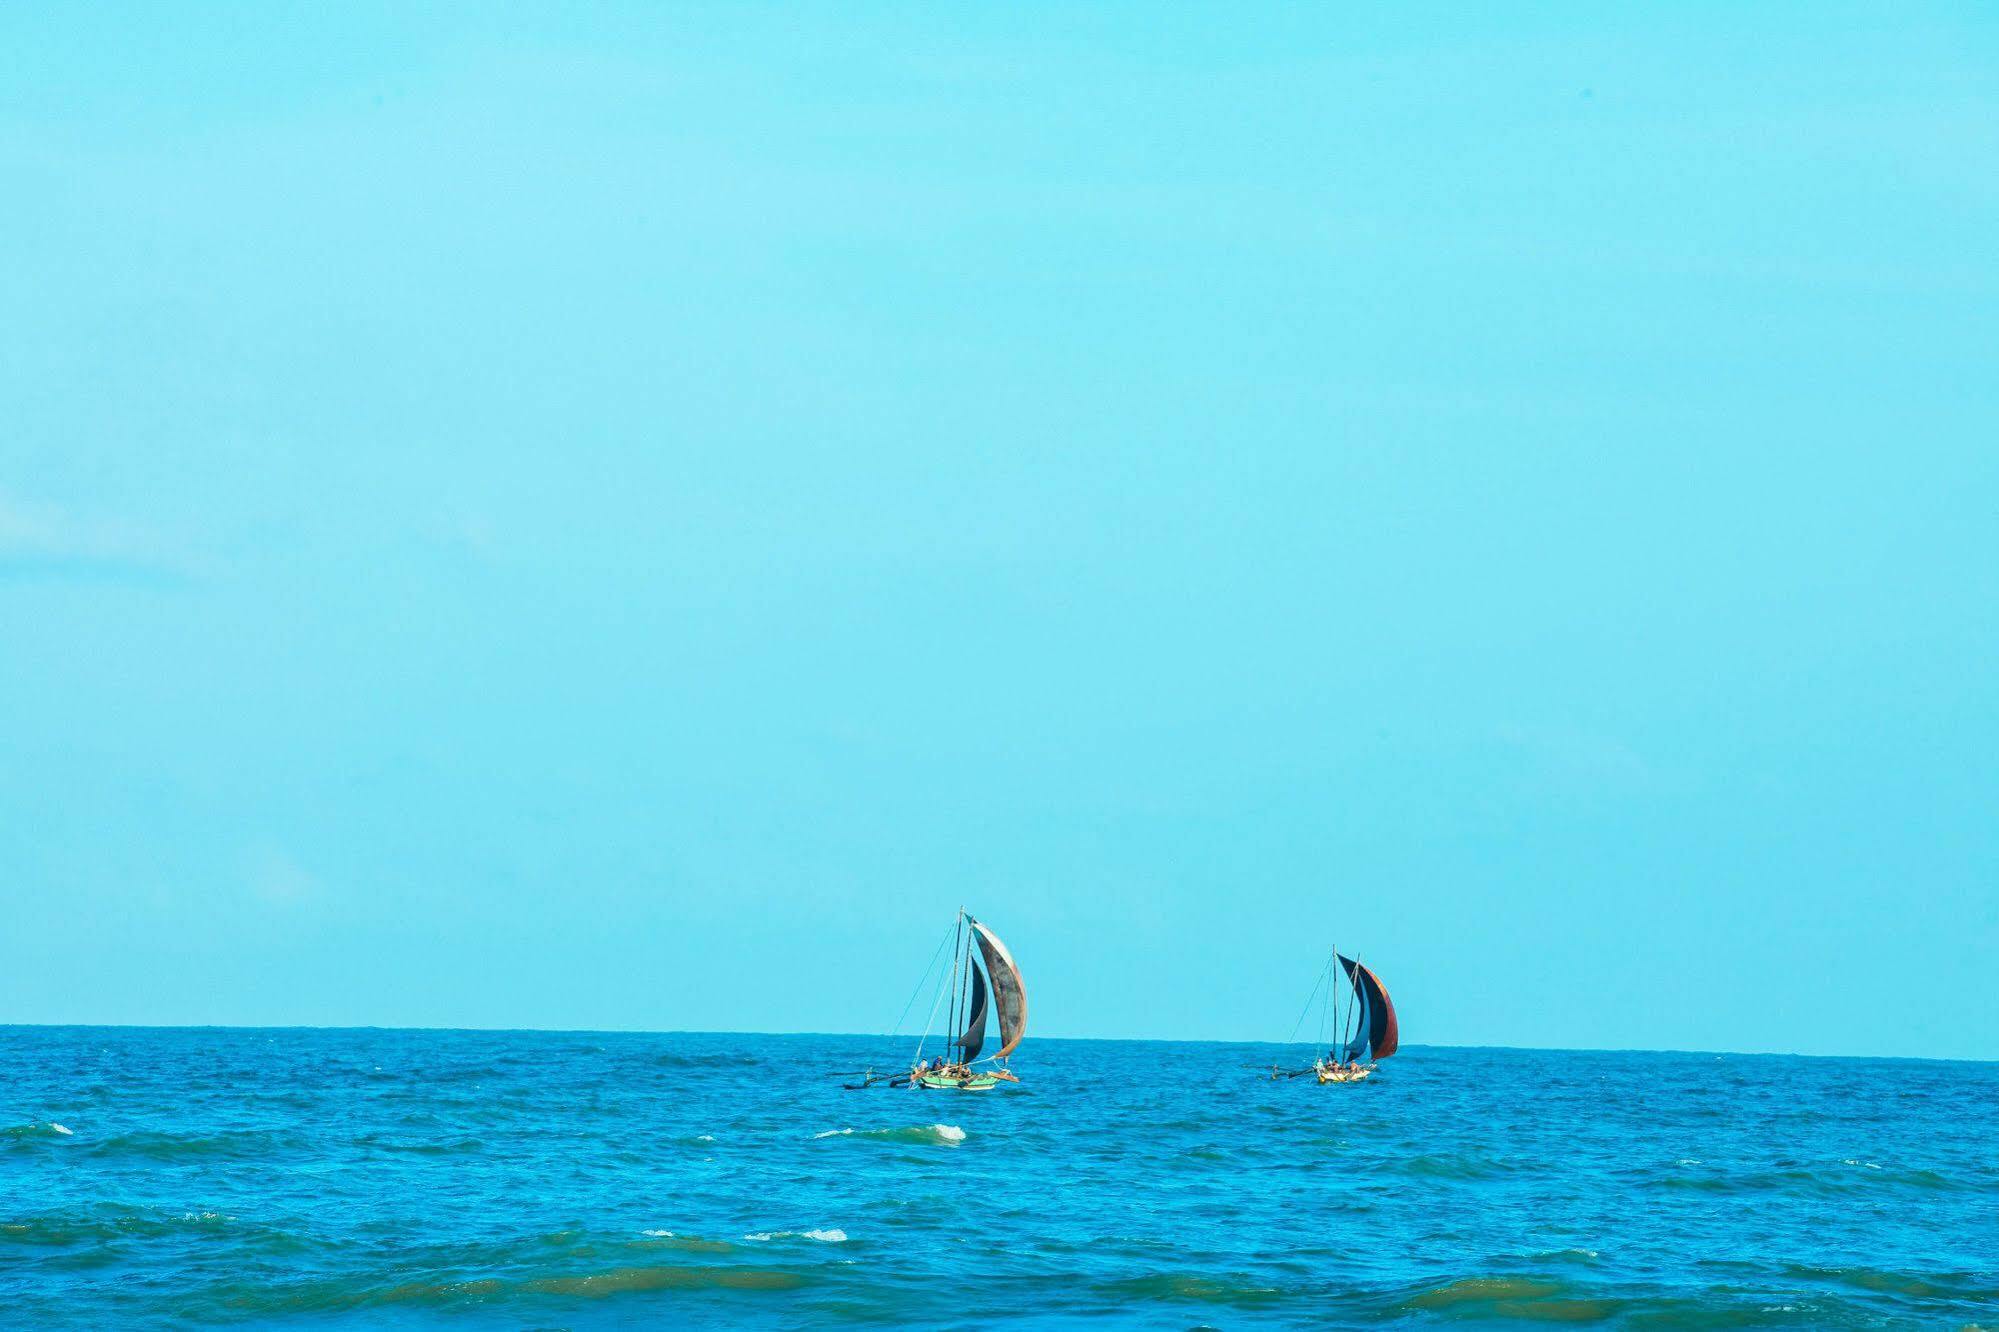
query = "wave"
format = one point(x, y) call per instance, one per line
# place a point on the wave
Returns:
point(1928, 1286)
point(1186, 1287)
point(452, 1147)
point(666, 1239)
point(625, 1279)
point(346, 1294)
point(1453, 1167)
point(1547, 1300)
point(672, 1060)
point(477, 1073)
point(51, 1129)
point(1845, 1177)
point(942, 1135)
point(823, 1236)
point(1522, 1298)
point(176, 1146)
point(1476, 1290)
point(1566, 1256)
point(100, 1224)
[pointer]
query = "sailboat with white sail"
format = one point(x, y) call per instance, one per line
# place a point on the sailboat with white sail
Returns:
point(982, 984)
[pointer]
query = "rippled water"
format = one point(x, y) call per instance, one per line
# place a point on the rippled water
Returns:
point(531, 1179)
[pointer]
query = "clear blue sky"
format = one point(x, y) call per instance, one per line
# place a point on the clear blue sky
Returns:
point(625, 516)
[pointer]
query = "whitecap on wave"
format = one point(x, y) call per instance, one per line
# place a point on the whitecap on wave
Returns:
point(931, 1133)
point(823, 1236)
point(48, 1130)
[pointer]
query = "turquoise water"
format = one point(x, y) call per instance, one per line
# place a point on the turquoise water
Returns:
point(401, 1178)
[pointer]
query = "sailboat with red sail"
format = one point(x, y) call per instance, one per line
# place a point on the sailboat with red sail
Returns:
point(1354, 1008)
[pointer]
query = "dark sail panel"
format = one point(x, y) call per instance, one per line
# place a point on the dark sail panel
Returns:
point(1353, 1042)
point(1009, 991)
point(1383, 1035)
point(974, 1038)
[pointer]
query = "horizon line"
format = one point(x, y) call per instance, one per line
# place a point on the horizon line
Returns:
point(890, 1036)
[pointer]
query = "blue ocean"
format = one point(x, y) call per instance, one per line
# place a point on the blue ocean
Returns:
point(375, 1178)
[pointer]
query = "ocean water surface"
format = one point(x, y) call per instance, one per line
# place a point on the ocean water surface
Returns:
point(173, 1177)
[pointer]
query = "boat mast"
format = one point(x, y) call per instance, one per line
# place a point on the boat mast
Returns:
point(968, 997)
point(1333, 992)
point(1330, 1005)
point(1360, 1014)
point(951, 1031)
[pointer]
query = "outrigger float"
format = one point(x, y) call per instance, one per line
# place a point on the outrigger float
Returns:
point(1361, 1017)
point(975, 985)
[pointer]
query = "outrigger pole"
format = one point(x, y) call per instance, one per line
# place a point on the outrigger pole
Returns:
point(869, 1078)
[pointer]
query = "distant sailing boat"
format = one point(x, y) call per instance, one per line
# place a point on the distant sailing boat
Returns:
point(1362, 1020)
point(976, 984)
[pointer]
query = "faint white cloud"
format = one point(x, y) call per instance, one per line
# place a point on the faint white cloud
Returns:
point(466, 532)
point(43, 540)
point(274, 877)
point(1571, 755)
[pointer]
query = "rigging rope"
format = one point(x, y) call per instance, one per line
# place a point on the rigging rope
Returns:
point(1306, 1010)
point(941, 990)
point(897, 1029)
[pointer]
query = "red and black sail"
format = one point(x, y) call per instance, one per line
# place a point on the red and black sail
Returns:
point(1375, 1033)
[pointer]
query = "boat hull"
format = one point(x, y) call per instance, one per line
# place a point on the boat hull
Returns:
point(947, 1082)
point(1343, 1075)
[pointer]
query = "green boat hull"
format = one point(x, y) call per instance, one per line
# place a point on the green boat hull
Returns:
point(944, 1082)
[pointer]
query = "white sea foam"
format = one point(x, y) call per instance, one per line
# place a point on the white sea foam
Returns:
point(932, 1133)
point(704, 1137)
point(657, 1234)
point(823, 1236)
point(57, 1128)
